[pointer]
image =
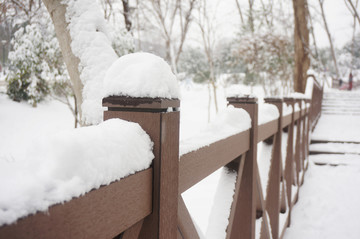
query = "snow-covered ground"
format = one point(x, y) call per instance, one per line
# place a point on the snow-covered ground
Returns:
point(328, 205)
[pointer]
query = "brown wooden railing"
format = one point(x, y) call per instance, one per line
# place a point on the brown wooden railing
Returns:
point(148, 204)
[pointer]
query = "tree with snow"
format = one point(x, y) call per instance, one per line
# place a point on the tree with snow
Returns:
point(35, 64)
point(87, 46)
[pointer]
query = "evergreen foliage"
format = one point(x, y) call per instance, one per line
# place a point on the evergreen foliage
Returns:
point(36, 64)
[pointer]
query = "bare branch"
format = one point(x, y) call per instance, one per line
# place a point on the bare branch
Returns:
point(321, 2)
point(355, 13)
point(240, 12)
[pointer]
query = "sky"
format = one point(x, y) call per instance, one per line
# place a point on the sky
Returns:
point(339, 19)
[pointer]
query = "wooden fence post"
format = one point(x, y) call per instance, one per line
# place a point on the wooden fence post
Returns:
point(245, 208)
point(160, 119)
point(289, 162)
point(307, 135)
point(297, 143)
point(273, 190)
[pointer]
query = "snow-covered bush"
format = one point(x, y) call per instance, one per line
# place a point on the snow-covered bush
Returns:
point(269, 60)
point(122, 42)
point(193, 63)
point(36, 64)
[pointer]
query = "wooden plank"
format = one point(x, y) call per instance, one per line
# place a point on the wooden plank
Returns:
point(267, 130)
point(265, 225)
point(286, 121)
point(125, 102)
point(297, 115)
point(197, 165)
point(289, 161)
point(134, 231)
point(273, 188)
point(169, 175)
point(233, 218)
point(186, 226)
point(101, 213)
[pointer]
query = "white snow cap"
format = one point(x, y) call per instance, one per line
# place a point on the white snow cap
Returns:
point(141, 75)
point(91, 43)
point(228, 122)
point(267, 113)
point(287, 109)
point(69, 164)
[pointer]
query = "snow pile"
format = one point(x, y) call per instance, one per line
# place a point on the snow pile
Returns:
point(264, 162)
point(297, 95)
point(328, 205)
point(92, 45)
point(141, 75)
point(303, 104)
point(296, 107)
point(309, 87)
point(267, 113)
point(69, 164)
point(287, 109)
point(228, 122)
point(220, 213)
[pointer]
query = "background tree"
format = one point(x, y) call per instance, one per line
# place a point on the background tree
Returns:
point(301, 43)
point(171, 19)
point(321, 3)
point(208, 35)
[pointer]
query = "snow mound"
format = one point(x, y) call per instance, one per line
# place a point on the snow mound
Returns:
point(141, 75)
point(267, 113)
point(220, 212)
point(287, 109)
point(228, 122)
point(91, 43)
point(69, 164)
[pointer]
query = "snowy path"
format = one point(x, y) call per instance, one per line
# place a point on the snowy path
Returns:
point(328, 205)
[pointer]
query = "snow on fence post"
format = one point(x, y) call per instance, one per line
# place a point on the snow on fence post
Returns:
point(289, 162)
point(243, 225)
point(160, 119)
point(273, 190)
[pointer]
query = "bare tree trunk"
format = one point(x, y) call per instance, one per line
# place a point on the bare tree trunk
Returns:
point(57, 12)
point(126, 14)
point(301, 40)
point(138, 24)
point(207, 31)
point(353, 40)
point(321, 2)
point(251, 17)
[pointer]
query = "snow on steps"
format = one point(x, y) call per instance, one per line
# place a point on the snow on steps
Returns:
point(336, 159)
point(340, 109)
point(335, 148)
point(341, 102)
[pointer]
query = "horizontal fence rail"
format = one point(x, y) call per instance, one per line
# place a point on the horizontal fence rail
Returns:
point(148, 204)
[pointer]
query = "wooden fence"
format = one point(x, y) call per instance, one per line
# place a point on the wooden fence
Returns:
point(148, 204)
